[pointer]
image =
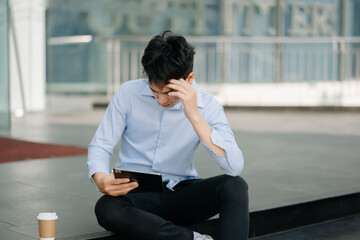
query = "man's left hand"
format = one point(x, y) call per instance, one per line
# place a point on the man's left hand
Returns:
point(187, 94)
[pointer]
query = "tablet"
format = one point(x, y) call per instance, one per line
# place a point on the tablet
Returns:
point(148, 182)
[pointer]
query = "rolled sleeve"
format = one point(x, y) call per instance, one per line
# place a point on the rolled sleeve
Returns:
point(93, 163)
point(222, 136)
point(233, 163)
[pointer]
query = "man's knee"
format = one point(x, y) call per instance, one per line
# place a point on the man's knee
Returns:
point(234, 186)
point(107, 211)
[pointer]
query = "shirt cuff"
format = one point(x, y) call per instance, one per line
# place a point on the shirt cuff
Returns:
point(93, 170)
point(94, 165)
point(221, 161)
point(218, 141)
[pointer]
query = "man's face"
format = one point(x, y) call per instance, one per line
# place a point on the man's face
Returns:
point(162, 96)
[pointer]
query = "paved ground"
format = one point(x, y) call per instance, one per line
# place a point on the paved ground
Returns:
point(290, 157)
point(341, 229)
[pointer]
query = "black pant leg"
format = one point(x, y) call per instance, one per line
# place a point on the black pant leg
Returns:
point(119, 215)
point(234, 210)
point(201, 200)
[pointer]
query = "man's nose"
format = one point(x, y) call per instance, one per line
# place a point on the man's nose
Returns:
point(162, 98)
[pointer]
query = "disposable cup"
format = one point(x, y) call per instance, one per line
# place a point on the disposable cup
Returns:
point(47, 225)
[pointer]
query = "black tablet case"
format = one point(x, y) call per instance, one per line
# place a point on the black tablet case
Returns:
point(148, 182)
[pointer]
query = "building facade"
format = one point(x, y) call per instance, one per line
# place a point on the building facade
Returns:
point(270, 52)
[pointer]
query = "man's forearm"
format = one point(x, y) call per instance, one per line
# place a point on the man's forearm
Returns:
point(203, 130)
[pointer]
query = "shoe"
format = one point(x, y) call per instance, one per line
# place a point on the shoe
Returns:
point(204, 237)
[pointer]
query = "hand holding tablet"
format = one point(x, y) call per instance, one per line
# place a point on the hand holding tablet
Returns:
point(148, 182)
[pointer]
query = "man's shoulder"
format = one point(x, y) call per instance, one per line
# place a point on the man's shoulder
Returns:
point(132, 86)
point(209, 100)
point(135, 84)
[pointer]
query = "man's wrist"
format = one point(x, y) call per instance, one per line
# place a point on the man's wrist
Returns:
point(98, 176)
point(195, 116)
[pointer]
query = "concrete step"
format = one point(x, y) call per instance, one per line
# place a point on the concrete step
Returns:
point(271, 221)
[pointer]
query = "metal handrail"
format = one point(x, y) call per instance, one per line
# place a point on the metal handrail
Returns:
point(69, 40)
point(203, 39)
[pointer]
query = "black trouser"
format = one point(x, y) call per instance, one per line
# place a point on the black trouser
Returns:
point(151, 215)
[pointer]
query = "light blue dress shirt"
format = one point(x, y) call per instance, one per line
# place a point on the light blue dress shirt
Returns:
point(159, 140)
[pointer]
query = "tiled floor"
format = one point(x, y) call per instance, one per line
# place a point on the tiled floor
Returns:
point(290, 157)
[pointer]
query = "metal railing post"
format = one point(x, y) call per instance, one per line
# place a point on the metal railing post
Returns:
point(227, 50)
point(109, 68)
point(357, 65)
point(116, 66)
point(279, 33)
point(220, 61)
point(342, 61)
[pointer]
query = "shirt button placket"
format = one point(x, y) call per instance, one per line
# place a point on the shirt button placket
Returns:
point(156, 160)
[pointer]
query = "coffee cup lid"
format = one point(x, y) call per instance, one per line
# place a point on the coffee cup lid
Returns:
point(47, 216)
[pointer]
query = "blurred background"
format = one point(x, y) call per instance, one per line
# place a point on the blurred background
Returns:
point(286, 71)
point(248, 52)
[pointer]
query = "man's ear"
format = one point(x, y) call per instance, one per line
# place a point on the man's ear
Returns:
point(190, 78)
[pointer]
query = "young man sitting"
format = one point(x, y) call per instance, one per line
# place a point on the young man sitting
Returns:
point(161, 120)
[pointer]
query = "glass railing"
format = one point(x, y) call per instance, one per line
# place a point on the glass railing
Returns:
point(93, 46)
point(219, 60)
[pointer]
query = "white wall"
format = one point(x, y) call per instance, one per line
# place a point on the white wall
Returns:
point(345, 93)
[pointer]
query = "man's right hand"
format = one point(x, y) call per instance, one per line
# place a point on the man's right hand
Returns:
point(109, 185)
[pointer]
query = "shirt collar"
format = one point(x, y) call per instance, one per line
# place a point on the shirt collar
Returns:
point(200, 103)
point(146, 90)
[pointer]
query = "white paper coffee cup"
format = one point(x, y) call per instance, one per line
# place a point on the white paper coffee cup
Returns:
point(47, 225)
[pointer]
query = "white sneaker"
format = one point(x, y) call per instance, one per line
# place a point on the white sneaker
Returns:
point(204, 237)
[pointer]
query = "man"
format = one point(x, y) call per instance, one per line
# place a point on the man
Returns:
point(161, 120)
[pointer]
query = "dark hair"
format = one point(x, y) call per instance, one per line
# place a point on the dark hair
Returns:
point(166, 58)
